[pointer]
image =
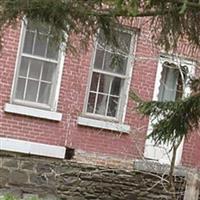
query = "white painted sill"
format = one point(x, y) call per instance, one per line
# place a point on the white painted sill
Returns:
point(33, 148)
point(113, 126)
point(32, 112)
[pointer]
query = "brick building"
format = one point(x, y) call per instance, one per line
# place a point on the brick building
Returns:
point(52, 101)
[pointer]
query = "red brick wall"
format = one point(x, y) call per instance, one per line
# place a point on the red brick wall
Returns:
point(71, 99)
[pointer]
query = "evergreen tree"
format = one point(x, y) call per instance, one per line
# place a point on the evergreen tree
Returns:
point(174, 18)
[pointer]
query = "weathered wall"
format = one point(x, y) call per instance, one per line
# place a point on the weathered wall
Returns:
point(50, 178)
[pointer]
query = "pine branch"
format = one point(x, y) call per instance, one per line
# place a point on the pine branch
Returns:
point(171, 121)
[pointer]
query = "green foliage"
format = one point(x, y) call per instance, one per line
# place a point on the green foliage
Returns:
point(65, 16)
point(174, 19)
point(173, 119)
point(8, 197)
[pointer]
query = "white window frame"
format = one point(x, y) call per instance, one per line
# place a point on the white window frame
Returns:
point(152, 151)
point(57, 77)
point(124, 93)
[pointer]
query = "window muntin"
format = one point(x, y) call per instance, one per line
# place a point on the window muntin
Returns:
point(37, 69)
point(108, 77)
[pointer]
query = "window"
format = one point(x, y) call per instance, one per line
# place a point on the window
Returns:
point(109, 76)
point(173, 81)
point(38, 68)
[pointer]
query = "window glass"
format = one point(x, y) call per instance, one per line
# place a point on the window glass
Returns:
point(20, 88)
point(48, 71)
point(94, 82)
point(24, 67)
point(44, 93)
point(115, 63)
point(105, 83)
point(91, 102)
point(101, 104)
point(117, 83)
point(52, 49)
point(171, 83)
point(112, 106)
point(35, 68)
point(99, 59)
point(40, 47)
point(28, 42)
point(31, 90)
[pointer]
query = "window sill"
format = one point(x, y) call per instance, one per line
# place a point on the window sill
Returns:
point(33, 148)
point(32, 112)
point(85, 121)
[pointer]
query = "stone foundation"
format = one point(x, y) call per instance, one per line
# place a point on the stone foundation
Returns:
point(26, 176)
point(103, 160)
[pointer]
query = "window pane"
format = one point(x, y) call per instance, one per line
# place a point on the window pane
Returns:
point(124, 40)
point(37, 26)
point(24, 67)
point(91, 103)
point(102, 43)
point(121, 68)
point(53, 49)
point(98, 63)
point(31, 91)
point(28, 43)
point(115, 63)
point(112, 106)
point(105, 82)
point(48, 71)
point(43, 28)
point(44, 93)
point(108, 61)
point(101, 104)
point(120, 41)
point(20, 88)
point(168, 84)
point(40, 45)
point(35, 69)
point(116, 86)
point(94, 82)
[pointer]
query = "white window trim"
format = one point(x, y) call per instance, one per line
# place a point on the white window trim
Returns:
point(191, 67)
point(127, 79)
point(32, 112)
point(58, 77)
point(108, 125)
point(34, 148)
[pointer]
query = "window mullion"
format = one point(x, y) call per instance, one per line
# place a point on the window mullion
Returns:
point(97, 94)
point(108, 98)
point(46, 49)
point(39, 84)
point(110, 73)
point(39, 58)
point(104, 56)
point(34, 41)
point(34, 79)
point(26, 83)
